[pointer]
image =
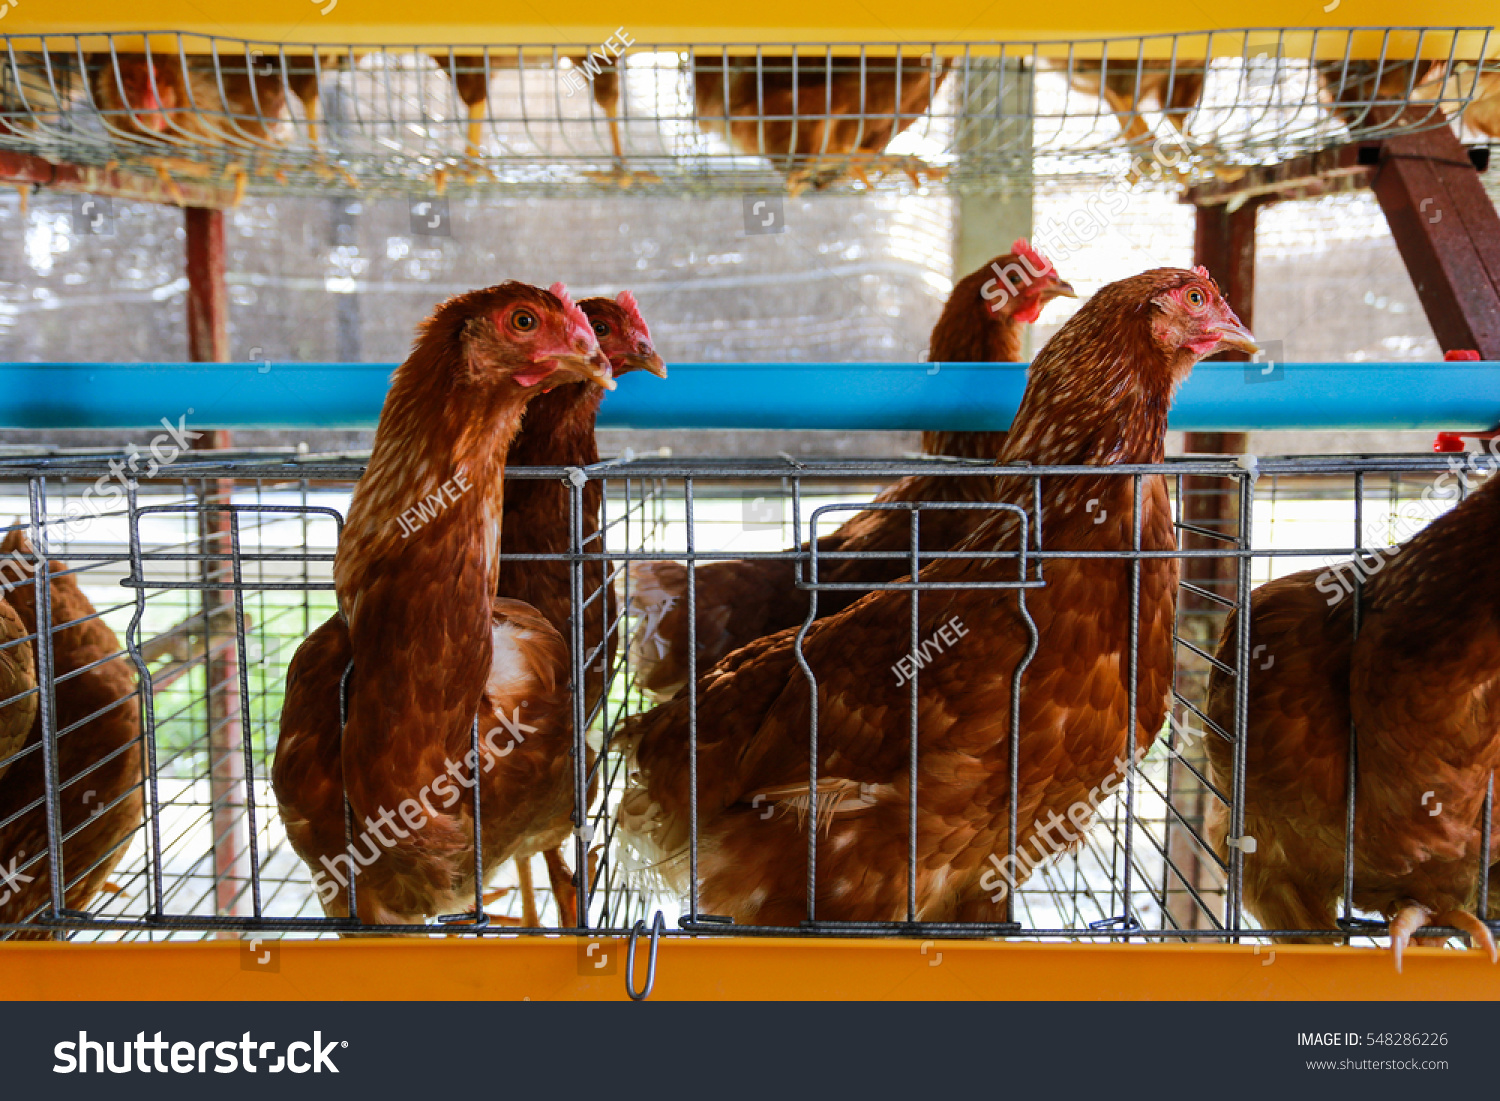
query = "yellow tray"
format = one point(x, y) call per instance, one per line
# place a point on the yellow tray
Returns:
point(552, 968)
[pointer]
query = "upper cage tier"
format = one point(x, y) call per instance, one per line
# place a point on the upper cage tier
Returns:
point(230, 116)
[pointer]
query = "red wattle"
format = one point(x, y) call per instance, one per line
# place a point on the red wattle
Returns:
point(532, 377)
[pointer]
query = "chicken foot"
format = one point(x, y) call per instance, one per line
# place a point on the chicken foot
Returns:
point(563, 889)
point(529, 917)
point(917, 170)
point(1415, 916)
point(606, 88)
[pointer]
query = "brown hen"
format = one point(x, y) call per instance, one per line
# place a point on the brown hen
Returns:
point(428, 647)
point(1127, 86)
point(99, 757)
point(833, 118)
point(158, 96)
point(1373, 94)
point(1098, 394)
point(740, 601)
point(18, 694)
point(1475, 90)
point(558, 430)
point(471, 74)
point(1419, 683)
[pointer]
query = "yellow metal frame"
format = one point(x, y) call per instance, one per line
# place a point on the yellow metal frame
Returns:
point(722, 968)
point(372, 22)
point(547, 969)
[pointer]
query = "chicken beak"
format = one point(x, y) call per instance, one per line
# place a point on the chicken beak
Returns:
point(651, 364)
point(1235, 336)
point(592, 368)
point(1059, 289)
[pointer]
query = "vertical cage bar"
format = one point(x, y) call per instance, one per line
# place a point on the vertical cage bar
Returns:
point(47, 702)
point(578, 644)
point(1351, 775)
point(916, 642)
point(242, 668)
point(692, 656)
point(1243, 544)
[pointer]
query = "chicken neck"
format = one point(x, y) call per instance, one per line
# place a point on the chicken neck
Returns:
point(417, 599)
point(970, 333)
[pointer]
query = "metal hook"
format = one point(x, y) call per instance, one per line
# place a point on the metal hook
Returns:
point(658, 926)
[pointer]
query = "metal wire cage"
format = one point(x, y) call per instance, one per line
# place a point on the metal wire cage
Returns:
point(665, 118)
point(149, 785)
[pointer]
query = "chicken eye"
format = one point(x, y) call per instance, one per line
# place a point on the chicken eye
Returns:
point(1195, 298)
point(523, 320)
point(601, 330)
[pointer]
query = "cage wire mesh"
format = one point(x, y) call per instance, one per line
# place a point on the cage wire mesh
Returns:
point(677, 119)
point(146, 756)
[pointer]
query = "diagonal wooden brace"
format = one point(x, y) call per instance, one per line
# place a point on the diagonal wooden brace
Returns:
point(1448, 232)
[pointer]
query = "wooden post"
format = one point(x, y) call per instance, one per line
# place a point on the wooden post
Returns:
point(208, 342)
point(208, 298)
point(1224, 243)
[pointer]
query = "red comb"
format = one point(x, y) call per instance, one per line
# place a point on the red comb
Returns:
point(1023, 249)
point(571, 311)
point(626, 302)
point(1201, 270)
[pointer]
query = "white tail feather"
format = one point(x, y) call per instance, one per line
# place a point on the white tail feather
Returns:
point(655, 589)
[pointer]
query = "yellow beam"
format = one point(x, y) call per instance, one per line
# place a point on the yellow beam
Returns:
point(548, 969)
point(589, 22)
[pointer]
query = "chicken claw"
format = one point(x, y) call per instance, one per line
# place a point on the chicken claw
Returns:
point(624, 178)
point(1414, 917)
point(918, 171)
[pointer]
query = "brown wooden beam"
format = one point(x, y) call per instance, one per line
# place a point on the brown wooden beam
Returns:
point(24, 169)
point(1307, 177)
point(1448, 233)
point(208, 342)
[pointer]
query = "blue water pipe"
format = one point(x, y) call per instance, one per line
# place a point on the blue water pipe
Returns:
point(884, 396)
